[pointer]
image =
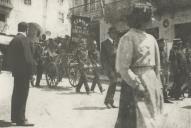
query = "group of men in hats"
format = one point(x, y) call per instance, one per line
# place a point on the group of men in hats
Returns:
point(107, 59)
point(175, 69)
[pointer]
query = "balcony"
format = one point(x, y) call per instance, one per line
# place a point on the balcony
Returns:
point(6, 4)
point(88, 10)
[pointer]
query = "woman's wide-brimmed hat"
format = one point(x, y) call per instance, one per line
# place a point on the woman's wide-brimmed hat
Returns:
point(139, 13)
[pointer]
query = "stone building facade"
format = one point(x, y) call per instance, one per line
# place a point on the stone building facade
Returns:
point(172, 18)
point(51, 15)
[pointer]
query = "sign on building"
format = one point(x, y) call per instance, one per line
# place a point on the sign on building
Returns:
point(79, 29)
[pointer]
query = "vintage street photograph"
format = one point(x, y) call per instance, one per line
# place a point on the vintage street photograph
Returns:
point(95, 63)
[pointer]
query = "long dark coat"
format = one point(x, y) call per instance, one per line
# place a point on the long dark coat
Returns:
point(20, 62)
point(20, 58)
point(108, 55)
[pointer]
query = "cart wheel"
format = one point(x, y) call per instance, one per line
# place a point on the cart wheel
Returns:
point(52, 75)
point(73, 73)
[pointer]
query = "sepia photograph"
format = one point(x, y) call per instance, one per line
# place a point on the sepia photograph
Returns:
point(95, 63)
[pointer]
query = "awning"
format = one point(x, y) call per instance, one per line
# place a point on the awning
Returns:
point(5, 40)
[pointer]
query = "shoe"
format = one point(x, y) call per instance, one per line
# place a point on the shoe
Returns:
point(167, 101)
point(77, 91)
point(113, 106)
point(102, 91)
point(24, 123)
point(88, 93)
point(14, 121)
point(37, 86)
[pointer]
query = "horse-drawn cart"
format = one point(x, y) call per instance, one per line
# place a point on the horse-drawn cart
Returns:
point(63, 65)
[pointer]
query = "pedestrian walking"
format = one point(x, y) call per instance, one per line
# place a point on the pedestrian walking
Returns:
point(20, 62)
point(94, 57)
point(82, 58)
point(178, 66)
point(138, 63)
point(39, 60)
point(164, 69)
point(108, 54)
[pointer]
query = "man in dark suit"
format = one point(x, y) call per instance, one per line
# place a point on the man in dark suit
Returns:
point(20, 62)
point(108, 54)
point(39, 68)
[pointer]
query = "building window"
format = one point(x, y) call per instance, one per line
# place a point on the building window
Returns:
point(27, 2)
point(61, 17)
point(2, 18)
point(92, 5)
point(85, 5)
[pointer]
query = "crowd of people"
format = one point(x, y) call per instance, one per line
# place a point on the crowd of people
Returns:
point(136, 57)
point(26, 58)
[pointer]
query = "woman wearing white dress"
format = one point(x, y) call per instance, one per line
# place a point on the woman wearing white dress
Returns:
point(138, 63)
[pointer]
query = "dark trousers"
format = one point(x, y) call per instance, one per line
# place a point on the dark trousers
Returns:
point(179, 80)
point(39, 74)
point(127, 108)
point(96, 80)
point(164, 80)
point(112, 87)
point(83, 80)
point(19, 98)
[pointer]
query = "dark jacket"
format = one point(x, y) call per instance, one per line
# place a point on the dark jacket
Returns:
point(108, 55)
point(178, 62)
point(20, 58)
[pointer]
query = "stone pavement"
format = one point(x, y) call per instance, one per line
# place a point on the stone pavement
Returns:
point(61, 107)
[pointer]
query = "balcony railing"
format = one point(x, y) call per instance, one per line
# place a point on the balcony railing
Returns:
point(6, 4)
point(88, 10)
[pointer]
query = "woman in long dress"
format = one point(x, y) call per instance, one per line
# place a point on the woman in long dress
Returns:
point(138, 63)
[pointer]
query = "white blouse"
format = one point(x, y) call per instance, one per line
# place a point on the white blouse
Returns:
point(136, 49)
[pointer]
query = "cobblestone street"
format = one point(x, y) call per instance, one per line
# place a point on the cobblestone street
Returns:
point(61, 107)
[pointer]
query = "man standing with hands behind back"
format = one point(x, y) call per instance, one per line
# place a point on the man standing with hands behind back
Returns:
point(20, 62)
point(108, 54)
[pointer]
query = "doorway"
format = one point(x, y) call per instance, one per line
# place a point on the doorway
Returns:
point(183, 31)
